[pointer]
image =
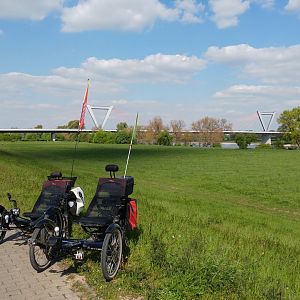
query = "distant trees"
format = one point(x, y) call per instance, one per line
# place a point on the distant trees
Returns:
point(209, 131)
point(290, 123)
point(177, 126)
point(153, 129)
point(73, 124)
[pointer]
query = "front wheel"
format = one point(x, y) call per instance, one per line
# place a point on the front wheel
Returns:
point(2, 229)
point(111, 254)
point(40, 253)
point(2, 234)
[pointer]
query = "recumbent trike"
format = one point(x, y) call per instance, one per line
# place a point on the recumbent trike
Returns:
point(110, 214)
point(53, 191)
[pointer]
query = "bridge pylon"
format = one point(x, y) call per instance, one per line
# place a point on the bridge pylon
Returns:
point(266, 137)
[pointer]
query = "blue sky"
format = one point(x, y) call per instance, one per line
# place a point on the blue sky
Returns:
point(181, 60)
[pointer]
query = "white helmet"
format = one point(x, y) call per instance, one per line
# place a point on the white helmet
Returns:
point(76, 206)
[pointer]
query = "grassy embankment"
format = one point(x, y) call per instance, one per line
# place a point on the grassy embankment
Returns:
point(213, 224)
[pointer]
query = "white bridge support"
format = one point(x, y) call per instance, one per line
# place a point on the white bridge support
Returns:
point(53, 136)
point(266, 137)
point(108, 110)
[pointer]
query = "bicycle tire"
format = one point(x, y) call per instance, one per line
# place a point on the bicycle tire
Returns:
point(39, 238)
point(111, 254)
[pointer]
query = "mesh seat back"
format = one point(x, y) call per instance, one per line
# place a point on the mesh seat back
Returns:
point(108, 198)
point(52, 192)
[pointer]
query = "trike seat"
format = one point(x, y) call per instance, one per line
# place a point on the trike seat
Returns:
point(95, 221)
point(53, 190)
point(106, 206)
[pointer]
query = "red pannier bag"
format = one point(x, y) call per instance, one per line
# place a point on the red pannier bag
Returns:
point(132, 214)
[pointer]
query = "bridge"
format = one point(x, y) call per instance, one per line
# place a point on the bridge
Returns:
point(266, 135)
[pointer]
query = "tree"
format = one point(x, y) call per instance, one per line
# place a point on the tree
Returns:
point(176, 127)
point(73, 124)
point(290, 124)
point(122, 126)
point(210, 130)
point(244, 140)
point(164, 138)
point(38, 135)
point(154, 127)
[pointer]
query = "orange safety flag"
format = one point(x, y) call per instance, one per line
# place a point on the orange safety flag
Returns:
point(84, 104)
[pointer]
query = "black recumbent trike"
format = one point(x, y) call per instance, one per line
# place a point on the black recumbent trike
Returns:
point(110, 214)
point(53, 191)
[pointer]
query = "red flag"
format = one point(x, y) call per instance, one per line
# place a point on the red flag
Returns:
point(84, 103)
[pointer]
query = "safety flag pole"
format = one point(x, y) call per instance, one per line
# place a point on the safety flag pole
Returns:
point(131, 142)
point(81, 121)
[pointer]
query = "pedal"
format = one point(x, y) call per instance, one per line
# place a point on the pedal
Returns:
point(79, 255)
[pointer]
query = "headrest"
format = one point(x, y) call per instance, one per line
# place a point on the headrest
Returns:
point(55, 174)
point(112, 168)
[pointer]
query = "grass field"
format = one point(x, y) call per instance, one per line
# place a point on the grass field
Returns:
point(213, 224)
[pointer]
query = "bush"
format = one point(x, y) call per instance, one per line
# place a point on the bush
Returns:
point(279, 144)
point(264, 146)
point(84, 137)
point(59, 137)
point(123, 137)
point(244, 140)
point(164, 138)
point(31, 137)
point(10, 137)
point(45, 137)
point(104, 137)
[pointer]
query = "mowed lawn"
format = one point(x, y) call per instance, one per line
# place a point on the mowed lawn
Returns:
point(213, 223)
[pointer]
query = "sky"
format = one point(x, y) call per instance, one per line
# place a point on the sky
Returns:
point(180, 60)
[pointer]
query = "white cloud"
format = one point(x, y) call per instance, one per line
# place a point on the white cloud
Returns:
point(29, 9)
point(64, 88)
point(293, 6)
point(226, 12)
point(110, 76)
point(270, 65)
point(190, 11)
point(127, 15)
point(264, 3)
point(153, 68)
point(252, 91)
point(250, 98)
point(120, 102)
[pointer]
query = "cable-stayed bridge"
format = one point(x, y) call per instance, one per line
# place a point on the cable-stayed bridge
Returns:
point(266, 135)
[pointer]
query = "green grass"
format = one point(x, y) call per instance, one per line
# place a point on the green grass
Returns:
point(213, 224)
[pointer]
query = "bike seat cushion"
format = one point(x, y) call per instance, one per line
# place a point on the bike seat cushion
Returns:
point(95, 221)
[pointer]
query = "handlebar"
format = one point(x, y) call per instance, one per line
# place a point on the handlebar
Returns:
point(14, 201)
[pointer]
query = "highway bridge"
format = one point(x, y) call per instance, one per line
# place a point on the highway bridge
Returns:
point(266, 135)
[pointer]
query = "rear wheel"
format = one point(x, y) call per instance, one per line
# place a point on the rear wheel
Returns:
point(111, 254)
point(40, 253)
